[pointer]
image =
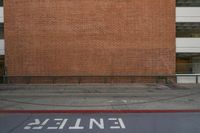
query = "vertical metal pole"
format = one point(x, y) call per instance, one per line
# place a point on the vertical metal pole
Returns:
point(196, 79)
point(5, 77)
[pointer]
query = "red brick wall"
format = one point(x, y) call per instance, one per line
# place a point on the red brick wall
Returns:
point(89, 37)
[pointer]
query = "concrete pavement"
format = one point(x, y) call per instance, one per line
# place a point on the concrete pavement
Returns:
point(99, 97)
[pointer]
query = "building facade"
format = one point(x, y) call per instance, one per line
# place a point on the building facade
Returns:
point(188, 41)
point(98, 41)
point(89, 38)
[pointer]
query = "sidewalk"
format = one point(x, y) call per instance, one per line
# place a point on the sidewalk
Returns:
point(99, 97)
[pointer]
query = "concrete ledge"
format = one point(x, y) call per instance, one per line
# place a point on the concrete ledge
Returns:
point(188, 78)
point(88, 79)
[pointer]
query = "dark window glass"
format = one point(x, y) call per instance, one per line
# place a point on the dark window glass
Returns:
point(188, 3)
point(1, 68)
point(1, 2)
point(188, 29)
point(187, 63)
point(1, 31)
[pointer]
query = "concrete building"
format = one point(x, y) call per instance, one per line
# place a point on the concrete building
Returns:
point(188, 41)
point(106, 41)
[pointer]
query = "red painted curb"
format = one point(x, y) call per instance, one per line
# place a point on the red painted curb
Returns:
point(99, 111)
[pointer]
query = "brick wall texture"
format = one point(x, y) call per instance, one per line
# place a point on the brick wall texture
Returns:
point(89, 37)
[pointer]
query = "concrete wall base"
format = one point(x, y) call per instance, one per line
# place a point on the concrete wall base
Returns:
point(89, 79)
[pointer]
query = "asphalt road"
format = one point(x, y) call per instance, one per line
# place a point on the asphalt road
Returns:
point(100, 122)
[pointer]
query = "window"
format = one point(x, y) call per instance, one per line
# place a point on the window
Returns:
point(187, 63)
point(191, 29)
point(1, 31)
point(1, 2)
point(188, 3)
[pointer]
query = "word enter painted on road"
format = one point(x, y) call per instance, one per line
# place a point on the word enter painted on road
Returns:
point(61, 123)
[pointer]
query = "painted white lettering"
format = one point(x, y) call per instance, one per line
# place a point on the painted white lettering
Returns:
point(121, 123)
point(36, 125)
point(77, 125)
point(63, 124)
point(60, 122)
point(99, 124)
point(117, 124)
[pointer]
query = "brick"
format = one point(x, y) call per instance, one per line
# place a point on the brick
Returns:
point(90, 38)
